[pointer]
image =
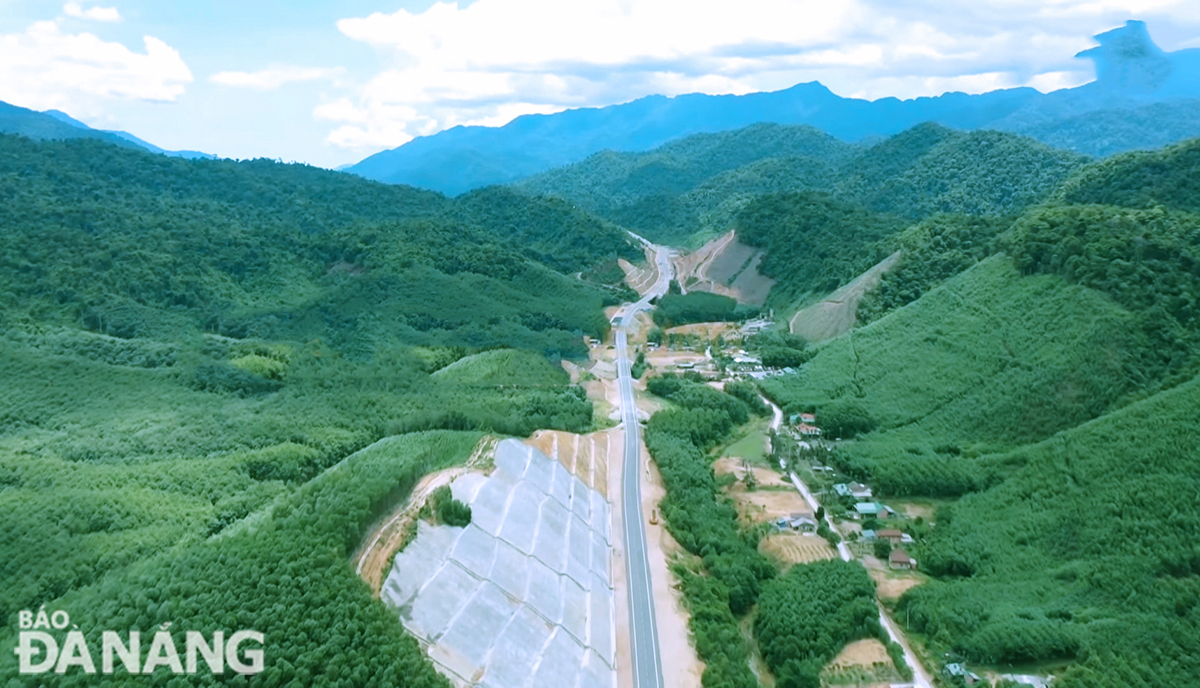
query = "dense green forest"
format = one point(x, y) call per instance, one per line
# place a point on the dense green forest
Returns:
point(805, 617)
point(138, 245)
point(1097, 560)
point(814, 242)
point(282, 572)
point(668, 193)
point(192, 349)
point(731, 570)
point(1042, 368)
point(675, 308)
point(689, 190)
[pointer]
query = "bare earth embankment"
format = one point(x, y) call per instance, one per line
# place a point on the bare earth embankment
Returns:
point(837, 314)
point(725, 266)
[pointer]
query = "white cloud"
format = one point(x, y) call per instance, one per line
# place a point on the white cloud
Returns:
point(496, 59)
point(274, 77)
point(104, 14)
point(45, 68)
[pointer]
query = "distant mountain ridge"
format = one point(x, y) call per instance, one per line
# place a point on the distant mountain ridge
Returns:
point(691, 189)
point(55, 124)
point(1134, 78)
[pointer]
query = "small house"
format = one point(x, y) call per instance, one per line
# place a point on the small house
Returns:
point(808, 418)
point(809, 430)
point(899, 559)
point(892, 535)
point(872, 510)
point(868, 535)
point(957, 670)
point(803, 524)
point(856, 490)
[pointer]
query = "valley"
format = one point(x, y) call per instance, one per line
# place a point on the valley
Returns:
point(760, 406)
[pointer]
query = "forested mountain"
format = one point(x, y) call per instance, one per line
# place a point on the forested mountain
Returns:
point(1041, 369)
point(1133, 77)
point(194, 354)
point(53, 124)
point(133, 245)
point(706, 184)
point(609, 180)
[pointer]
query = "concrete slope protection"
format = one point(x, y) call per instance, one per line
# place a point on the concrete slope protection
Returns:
point(522, 597)
point(643, 628)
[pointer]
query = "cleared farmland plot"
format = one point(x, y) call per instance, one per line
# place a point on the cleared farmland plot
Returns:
point(796, 548)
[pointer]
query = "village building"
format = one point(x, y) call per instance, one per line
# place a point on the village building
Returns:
point(856, 490)
point(892, 535)
point(809, 430)
point(957, 670)
point(899, 559)
point(872, 510)
point(797, 523)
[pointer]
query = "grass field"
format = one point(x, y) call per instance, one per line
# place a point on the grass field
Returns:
point(752, 446)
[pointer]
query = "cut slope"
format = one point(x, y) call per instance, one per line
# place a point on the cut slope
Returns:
point(725, 266)
point(837, 313)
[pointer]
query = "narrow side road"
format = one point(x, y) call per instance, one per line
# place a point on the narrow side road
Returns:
point(643, 628)
point(921, 678)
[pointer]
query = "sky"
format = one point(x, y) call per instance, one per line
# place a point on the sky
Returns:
point(329, 83)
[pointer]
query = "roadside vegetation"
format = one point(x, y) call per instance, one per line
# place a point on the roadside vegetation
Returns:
point(675, 308)
point(800, 620)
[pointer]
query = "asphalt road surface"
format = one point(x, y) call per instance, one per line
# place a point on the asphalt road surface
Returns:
point(643, 630)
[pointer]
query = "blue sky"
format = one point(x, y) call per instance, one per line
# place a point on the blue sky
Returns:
point(329, 83)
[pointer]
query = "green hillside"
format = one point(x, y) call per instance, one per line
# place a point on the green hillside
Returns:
point(930, 169)
point(609, 180)
point(283, 572)
point(1087, 552)
point(689, 190)
point(135, 245)
point(503, 367)
point(191, 350)
point(1039, 374)
point(672, 192)
point(988, 359)
point(814, 242)
point(1168, 177)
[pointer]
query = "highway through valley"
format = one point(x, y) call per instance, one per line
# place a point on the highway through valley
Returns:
point(643, 629)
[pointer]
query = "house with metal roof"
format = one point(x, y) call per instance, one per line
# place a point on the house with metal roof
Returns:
point(872, 509)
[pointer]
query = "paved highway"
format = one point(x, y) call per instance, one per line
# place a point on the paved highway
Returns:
point(643, 630)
